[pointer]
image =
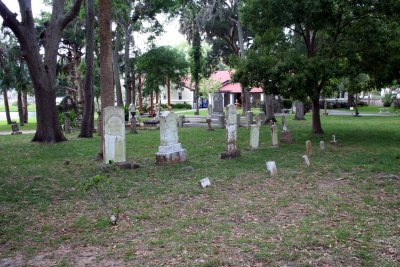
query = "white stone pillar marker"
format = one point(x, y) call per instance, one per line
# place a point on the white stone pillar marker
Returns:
point(114, 135)
point(274, 136)
point(333, 141)
point(306, 160)
point(231, 134)
point(254, 136)
point(322, 145)
point(170, 150)
point(309, 147)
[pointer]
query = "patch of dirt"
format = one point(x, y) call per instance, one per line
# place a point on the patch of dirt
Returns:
point(78, 256)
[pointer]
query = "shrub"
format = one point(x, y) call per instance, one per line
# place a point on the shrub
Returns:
point(387, 100)
point(287, 103)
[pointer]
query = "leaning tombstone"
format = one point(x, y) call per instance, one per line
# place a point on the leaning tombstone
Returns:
point(271, 167)
point(309, 148)
point(170, 150)
point(322, 145)
point(15, 128)
point(254, 136)
point(231, 134)
point(306, 160)
point(114, 135)
point(274, 136)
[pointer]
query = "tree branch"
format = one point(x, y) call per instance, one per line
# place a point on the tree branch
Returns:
point(10, 20)
point(71, 14)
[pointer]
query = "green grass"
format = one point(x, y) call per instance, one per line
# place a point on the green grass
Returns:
point(371, 109)
point(14, 108)
point(341, 211)
point(4, 127)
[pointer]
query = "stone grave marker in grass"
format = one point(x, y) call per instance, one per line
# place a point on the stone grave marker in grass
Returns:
point(114, 135)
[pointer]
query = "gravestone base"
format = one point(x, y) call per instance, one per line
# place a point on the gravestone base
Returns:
point(19, 132)
point(286, 137)
point(171, 154)
point(230, 154)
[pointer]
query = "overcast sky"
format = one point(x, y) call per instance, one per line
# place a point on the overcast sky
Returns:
point(171, 36)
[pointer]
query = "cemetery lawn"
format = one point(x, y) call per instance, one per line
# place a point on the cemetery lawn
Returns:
point(4, 127)
point(14, 108)
point(343, 210)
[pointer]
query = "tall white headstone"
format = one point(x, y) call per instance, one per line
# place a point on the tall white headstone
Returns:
point(254, 136)
point(274, 136)
point(170, 150)
point(114, 135)
point(231, 133)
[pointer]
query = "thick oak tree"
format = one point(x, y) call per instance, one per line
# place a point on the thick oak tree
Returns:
point(42, 69)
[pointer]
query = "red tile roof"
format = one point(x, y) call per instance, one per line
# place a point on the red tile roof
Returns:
point(224, 77)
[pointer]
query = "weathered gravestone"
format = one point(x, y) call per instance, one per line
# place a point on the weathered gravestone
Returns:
point(231, 134)
point(132, 111)
point(209, 109)
point(260, 118)
point(322, 145)
point(249, 119)
point(309, 148)
point(286, 135)
point(209, 121)
point(15, 128)
point(67, 122)
point(218, 105)
point(271, 167)
point(274, 136)
point(114, 134)
point(254, 136)
point(170, 150)
point(306, 160)
point(333, 141)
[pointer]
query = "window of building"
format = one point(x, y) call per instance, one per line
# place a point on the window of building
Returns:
point(179, 95)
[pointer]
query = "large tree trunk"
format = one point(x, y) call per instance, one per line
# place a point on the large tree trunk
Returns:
point(127, 43)
point(269, 107)
point(140, 96)
point(115, 59)
point(79, 85)
point(25, 105)
point(106, 64)
point(169, 92)
point(299, 106)
point(43, 72)
point(87, 119)
point(20, 108)
point(6, 106)
point(133, 96)
point(316, 118)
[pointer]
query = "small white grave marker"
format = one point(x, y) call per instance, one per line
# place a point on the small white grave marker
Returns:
point(322, 145)
point(333, 141)
point(271, 167)
point(205, 182)
point(306, 160)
